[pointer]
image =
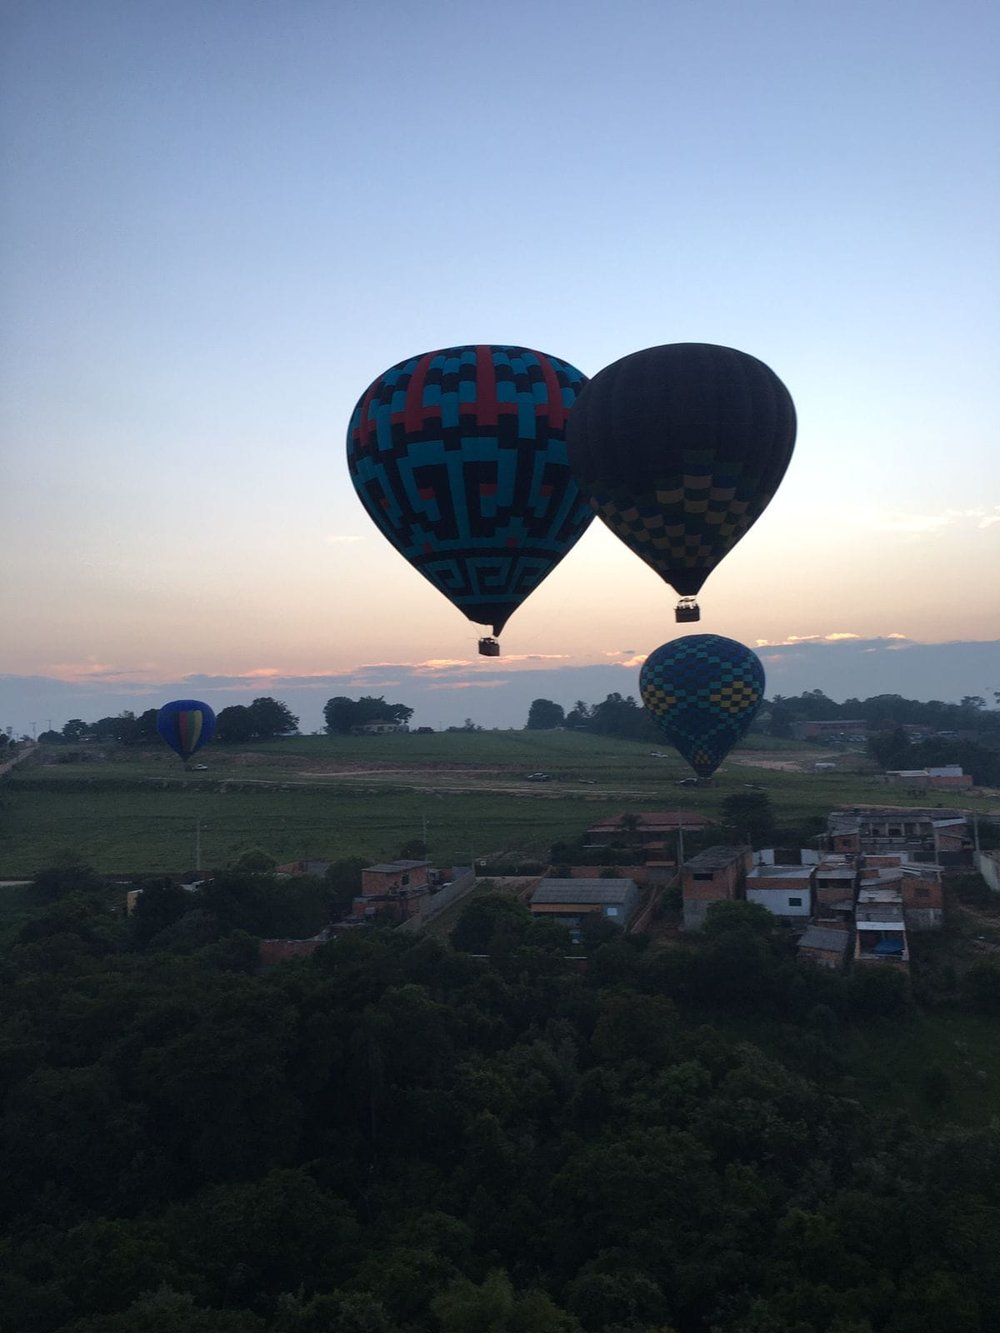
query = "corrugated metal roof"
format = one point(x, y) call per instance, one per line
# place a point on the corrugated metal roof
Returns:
point(714, 857)
point(583, 890)
point(391, 867)
point(824, 937)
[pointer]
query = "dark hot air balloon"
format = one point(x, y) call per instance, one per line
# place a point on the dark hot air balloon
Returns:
point(702, 691)
point(459, 457)
point(679, 449)
point(186, 725)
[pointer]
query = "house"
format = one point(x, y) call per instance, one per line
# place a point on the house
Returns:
point(380, 727)
point(714, 875)
point(919, 885)
point(831, 729)
point(824, 945)
point(880, 929)
point(926, 833)
point(834, 886)
point(944, 778)
point(786, 891)
point(570, 900)
point(394, 888)
point(644, 829)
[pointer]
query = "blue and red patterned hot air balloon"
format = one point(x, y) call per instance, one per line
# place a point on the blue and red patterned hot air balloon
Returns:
point(702, 691)
point(186, 725)
point(459, 457)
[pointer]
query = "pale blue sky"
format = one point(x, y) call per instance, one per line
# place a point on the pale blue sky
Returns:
point(223, 218)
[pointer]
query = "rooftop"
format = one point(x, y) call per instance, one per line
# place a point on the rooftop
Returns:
point(392, 867)
point(824, 937)
point(573, 891)
point(713, 858)
point(797, 873)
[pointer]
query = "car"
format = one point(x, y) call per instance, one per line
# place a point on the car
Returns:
point(200, 768)
point(538, 777)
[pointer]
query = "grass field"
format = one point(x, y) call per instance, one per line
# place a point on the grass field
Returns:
point(138, 810)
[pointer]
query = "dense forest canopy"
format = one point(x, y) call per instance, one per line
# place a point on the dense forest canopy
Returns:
point(394, 1136)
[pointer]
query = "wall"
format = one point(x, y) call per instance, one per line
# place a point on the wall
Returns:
point(779, 901)
point(988, 865)
point(437, 902)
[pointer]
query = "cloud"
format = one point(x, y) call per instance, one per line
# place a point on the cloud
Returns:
point(635, 661)
point(917, 525)
point(468, 685)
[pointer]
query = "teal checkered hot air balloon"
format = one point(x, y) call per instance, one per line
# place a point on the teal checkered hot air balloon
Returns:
point(703, 692)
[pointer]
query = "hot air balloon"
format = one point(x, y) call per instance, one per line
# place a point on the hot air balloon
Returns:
point(459, 457)
point(679, 449)
point(186, 725)
point(702, 691)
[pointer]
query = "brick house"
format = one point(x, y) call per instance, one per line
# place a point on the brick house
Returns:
point(394, 888)
point(714, 875)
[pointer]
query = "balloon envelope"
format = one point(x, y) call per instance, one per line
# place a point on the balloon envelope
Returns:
point(459, 457)
point(703, 692)
point(679, 449)
point(186, 725)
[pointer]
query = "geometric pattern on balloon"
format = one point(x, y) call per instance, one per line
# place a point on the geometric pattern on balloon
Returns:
point(679, 449)
point(459, 458)
point(703, 692)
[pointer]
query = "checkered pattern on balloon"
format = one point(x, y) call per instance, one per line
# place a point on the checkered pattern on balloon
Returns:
point(703, 692)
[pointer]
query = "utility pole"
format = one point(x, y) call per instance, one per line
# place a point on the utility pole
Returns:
point(197, 844)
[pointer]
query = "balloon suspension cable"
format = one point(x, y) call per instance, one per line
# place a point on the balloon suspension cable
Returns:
point(488, 647)
point(687, 610)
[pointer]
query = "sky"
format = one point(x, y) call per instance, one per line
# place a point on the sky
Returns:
point(223, 219)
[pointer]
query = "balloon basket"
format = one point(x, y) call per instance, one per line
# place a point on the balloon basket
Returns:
point(489, 648)
point(686, 611)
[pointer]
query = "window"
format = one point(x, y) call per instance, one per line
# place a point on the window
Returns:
point(795, 902)
point(406, 879)
point(702, 874)
point(611, 911)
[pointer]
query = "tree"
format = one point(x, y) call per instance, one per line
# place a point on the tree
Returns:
point(890, 748)
point(234, 725)
point(120, 728)
point(271, 718)
point(145, 727)
point(343, 881)
point(749, 814)
point(544, 715)
point(579, 715)
point(343, 714)
point(75, 729)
